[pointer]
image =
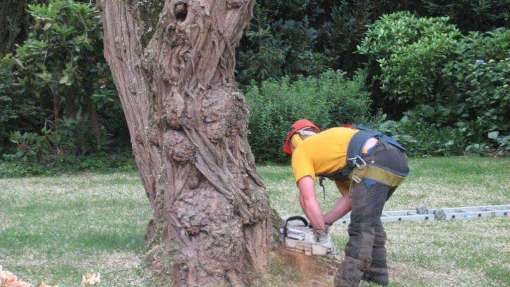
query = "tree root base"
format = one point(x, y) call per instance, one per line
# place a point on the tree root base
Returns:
point(287, 268)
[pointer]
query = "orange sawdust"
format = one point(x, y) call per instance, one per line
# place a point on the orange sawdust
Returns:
point(310, 271)
point(7, 279)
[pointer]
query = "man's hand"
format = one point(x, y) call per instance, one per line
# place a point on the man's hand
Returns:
point(309, 204)
point(322, 236)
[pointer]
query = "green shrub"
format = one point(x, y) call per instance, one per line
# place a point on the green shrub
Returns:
point(17, 111)
point(31, 147)
point(421, 136)
point(480, 76)
point(453, 89)
point(328, 100)
point(411, 52)
point(100, 162)
point(58, 80)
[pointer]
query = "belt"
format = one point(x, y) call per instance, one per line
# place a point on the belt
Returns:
point(378, 174)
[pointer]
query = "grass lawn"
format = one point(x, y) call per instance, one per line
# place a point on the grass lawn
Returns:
point(55, 229)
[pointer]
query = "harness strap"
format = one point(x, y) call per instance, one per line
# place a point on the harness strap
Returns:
point(378, 174)
point(354, 151)
point(357, 168)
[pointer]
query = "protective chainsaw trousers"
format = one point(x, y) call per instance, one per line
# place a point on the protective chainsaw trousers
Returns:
point(365, 252)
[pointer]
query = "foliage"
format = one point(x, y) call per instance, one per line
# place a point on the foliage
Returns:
point(425, 138)
point(31, 146)
point(471, 15)
point(58, 79)
point(99, 162)
point(17, 112)
point(410, 51)
point(452, 89)
point(328, 100)
point(11, 20)
point(59, 72)
point(305, 37)
point(480, 77)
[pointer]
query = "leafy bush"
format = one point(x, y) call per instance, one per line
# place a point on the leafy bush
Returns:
point(471, 15)
point(31, 147)
point(411, 52)
point(422, 137)
point(58, 78)
point(480, 77)
point(452, 89)
point(328, 100)
point(100, 162)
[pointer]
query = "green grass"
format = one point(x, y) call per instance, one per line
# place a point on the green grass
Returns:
point(57, 228)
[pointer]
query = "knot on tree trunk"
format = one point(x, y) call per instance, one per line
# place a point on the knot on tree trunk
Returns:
point(181, 10)
point(234, 4)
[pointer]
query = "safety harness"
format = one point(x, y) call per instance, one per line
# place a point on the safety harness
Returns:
point(357, 168)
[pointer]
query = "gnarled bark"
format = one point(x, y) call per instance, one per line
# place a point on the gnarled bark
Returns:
point(173, 65)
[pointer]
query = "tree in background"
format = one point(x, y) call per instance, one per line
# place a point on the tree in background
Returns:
point(303, 37)
point(285, 39)
point(12, 20)
point(471, 15)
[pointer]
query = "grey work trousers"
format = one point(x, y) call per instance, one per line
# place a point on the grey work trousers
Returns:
point(365, 251)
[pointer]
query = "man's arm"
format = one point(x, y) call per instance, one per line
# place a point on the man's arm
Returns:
point(309, 203)
point(342, 206)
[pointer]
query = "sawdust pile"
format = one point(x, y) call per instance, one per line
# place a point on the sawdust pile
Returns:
point(90, 279)
point(315, 271)
point(7, 279)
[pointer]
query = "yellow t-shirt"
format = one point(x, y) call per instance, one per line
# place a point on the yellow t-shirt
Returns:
point(323, 153)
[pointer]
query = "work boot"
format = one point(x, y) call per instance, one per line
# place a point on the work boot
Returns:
point(349, 273)
point(376, 275)
point(378, 270)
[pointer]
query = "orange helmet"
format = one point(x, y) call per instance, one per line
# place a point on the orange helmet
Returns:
point(298, 125)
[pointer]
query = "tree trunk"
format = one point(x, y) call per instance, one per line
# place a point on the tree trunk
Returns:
point(12, 21)
point(56, 109)
point(173, 65)
point(94, 121)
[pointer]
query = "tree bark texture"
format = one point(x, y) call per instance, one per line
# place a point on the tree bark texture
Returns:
point(173, 65)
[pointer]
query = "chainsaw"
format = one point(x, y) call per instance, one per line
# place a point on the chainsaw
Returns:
point(298, 235)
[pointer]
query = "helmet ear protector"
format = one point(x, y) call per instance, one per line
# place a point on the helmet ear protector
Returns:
point(304, 127)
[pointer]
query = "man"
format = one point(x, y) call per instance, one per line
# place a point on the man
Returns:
point(367, 166)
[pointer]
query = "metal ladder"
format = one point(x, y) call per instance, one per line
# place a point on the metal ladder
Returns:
point(457, 213)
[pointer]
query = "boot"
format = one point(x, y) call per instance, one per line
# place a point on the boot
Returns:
point(349, 273)
point(378, 270)
point(376, 275)
point(358, 255)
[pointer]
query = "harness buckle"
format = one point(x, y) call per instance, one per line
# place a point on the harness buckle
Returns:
point(355, 178)
point(358, 162)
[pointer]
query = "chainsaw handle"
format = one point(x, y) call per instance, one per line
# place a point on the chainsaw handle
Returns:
point(294, 218)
